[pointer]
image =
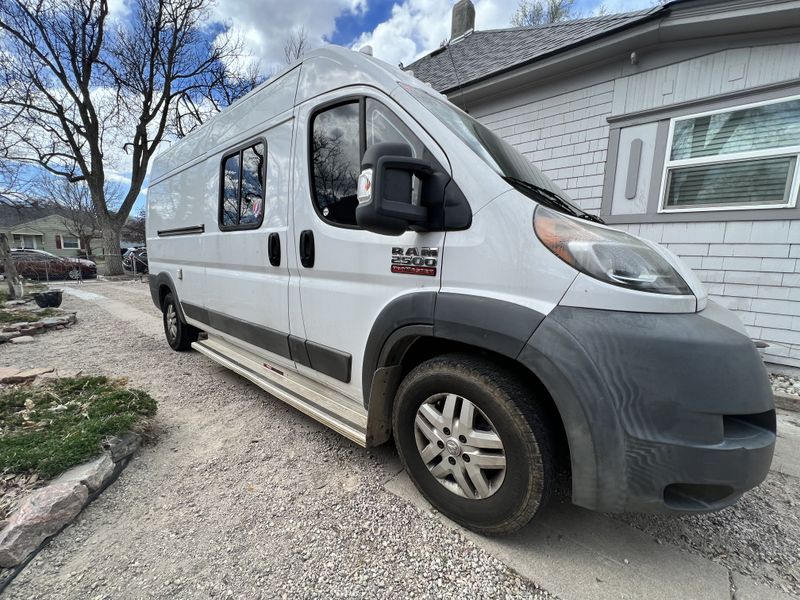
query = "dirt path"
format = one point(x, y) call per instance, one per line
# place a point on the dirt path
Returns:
point(241, 496)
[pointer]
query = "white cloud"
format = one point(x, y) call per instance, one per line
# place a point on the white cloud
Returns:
point(265, 25)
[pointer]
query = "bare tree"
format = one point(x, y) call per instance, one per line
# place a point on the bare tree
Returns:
point(75, 91)
point(296, 45)
point(134, 229)
point(543, 12)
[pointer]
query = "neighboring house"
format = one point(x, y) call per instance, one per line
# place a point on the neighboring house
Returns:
point(680, 123)
point(49, 233)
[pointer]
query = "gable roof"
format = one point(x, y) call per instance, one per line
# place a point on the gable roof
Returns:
point(482, 54)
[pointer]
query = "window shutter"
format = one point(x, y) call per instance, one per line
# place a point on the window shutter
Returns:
point(58, 241)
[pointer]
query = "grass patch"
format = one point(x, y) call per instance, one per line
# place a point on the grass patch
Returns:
point(18, 316)
point(50, 428)
point(3, 295)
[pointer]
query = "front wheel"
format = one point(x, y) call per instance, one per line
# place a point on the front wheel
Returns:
point(475, 442)
point(180, 335)
point(74, 273)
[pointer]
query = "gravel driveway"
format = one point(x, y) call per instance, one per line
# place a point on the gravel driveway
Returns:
point(242, 496)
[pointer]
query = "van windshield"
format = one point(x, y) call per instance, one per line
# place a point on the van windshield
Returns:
point(498, 154)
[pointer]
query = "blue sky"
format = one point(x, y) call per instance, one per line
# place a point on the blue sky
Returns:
point(398, 30)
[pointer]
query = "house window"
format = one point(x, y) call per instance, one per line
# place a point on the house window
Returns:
point(70, 242)
point(742, 158)
point(242, 188)
point(28, 242)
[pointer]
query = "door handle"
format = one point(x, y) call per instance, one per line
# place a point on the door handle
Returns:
point(307, 248)
point(274, 249)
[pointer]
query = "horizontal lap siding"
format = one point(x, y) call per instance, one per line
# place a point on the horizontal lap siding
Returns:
point(753, 268)
point(566, 136)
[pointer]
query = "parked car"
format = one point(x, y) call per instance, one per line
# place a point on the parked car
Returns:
point(386, 264)
point(135, 260)
point(40, 265)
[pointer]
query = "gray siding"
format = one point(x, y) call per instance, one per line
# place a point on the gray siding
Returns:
point(752, 267)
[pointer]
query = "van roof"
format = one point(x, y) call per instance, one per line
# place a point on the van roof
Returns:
point(316, 73)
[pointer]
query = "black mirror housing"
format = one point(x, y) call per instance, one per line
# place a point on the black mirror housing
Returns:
point(388, 209)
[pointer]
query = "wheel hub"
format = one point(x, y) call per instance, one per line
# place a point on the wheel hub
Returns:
point(460, 446)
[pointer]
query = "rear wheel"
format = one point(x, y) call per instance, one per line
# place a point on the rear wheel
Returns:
point(475, 443)
point(180, 334)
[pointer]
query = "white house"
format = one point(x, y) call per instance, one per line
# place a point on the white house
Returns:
point(680, 123)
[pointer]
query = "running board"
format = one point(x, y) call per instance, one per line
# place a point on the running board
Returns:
point(343, 416)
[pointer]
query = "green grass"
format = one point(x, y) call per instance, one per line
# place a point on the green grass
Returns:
point(35, 438)
point(18, 316)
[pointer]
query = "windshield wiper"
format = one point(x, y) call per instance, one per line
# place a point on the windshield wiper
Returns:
point(553, 199)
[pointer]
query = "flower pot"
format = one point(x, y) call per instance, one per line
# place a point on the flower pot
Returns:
point(49, 299)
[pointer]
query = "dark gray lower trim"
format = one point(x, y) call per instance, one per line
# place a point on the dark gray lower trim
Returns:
point(649, 401)
point(190, 230)
point(297, 346)
point(329, 361)
point(258, 335)
point(494, 325)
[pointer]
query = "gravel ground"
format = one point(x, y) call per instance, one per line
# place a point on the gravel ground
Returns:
point(786, 384)
point(241, 496)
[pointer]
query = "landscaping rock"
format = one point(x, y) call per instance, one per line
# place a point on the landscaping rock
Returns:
point(122, 446)
point(8, 374)
point(92, 474)
point(7, 337)
point(54, 321)
point(41, 515)
point(23, 339)
point(29, 374)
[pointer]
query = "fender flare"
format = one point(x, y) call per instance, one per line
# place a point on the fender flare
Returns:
point(156, 283)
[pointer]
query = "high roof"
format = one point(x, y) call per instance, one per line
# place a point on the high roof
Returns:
point(482, 54)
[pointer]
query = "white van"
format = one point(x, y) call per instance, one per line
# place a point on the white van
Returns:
point(358, 247)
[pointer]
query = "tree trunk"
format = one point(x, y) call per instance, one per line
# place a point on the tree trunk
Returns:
point(111, 244)
point(8, 264)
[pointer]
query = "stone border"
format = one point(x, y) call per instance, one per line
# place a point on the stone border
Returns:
point(22, 332)
point(46, 511)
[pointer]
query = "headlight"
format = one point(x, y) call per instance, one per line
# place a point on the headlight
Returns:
point(606, 254)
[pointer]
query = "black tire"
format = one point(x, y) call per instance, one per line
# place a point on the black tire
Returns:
point(181, 336)
point(518, 420)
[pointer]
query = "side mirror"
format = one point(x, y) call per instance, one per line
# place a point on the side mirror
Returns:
point(385, 189)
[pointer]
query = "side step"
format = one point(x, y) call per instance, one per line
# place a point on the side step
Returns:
point(342, 415)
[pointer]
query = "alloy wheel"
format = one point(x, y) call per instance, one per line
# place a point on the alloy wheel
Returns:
point(460, 446)
point(172, 322)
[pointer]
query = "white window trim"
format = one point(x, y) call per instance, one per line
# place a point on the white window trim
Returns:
point(63, 244)
point(784, 151)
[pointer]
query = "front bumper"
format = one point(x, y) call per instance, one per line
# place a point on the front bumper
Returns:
point(663, 412)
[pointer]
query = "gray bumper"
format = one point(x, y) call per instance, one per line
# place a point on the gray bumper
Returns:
point(663, 412)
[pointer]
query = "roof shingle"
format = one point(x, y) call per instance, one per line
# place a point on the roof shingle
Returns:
point(484, 53)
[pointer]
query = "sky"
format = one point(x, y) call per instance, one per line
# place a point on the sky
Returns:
point(398, 30)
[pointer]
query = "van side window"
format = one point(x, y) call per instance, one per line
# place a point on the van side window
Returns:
point(242, 189)
point(339, 137)
point(336, 159)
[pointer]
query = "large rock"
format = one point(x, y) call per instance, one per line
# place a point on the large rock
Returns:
point(40, 515)
point(8, 374)
point(33, 373)
point(91, 474)
point(122, 446)
point(23, 339)
point(54, 321)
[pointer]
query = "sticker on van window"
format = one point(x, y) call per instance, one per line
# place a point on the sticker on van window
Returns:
point(415, 261)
